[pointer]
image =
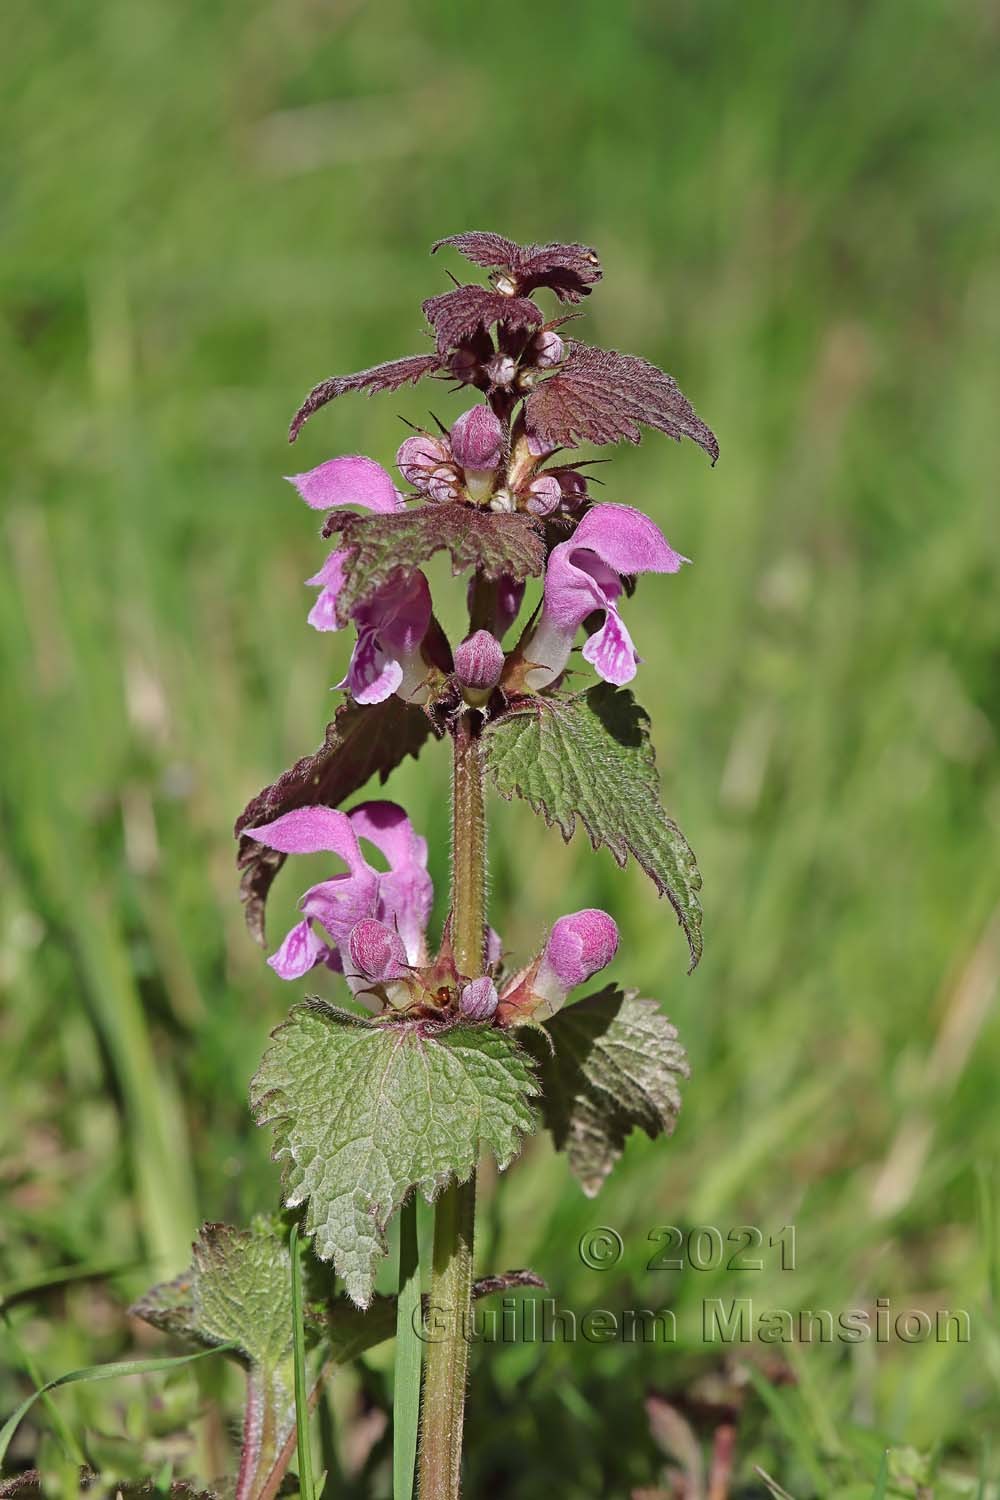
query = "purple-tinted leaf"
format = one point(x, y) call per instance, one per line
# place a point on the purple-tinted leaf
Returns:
point(600, 396)
point(360, 742)
point(382, 547)
point(458, 315)
point(387, 377)
point(482, 247)
point(568, 270)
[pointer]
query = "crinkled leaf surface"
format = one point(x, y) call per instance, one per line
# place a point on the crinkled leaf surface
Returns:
point(614, 1065)
point(387, 377)
point(457, 315)
point(590, 757)
point(363, 1112)
point(238, 1290)
point(384, 545)
point(568, 270)
point(601, 396)
point(361, 741)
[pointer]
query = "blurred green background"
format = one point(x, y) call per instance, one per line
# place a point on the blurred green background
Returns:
point(208, 207)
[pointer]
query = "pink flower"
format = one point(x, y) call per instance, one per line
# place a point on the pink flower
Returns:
point(579, 946)
point(387, 655)
point(351, 480)
point(400, 897)
point(585, 574)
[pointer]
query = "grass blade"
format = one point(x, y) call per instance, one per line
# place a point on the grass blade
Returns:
point(409, 1351)
point(66, 1437)
point(99, 1372)
point(882, 1477)
point(307, 1489)
point(18, 1291)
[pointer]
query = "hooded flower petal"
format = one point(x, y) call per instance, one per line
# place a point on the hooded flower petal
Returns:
point(312, 830)
point(405, 891)
point(351, 480)
point(399, 897)
point(338, 903)
point(583, 575)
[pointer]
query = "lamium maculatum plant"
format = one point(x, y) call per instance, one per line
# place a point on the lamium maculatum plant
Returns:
point(429, 1055)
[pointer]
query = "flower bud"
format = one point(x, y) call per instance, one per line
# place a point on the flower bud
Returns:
point(505, 284)
point(544, 495)
point(539, 447)
point(501, 369)
point(579, 945)
point(377, 952)
point(443, 485)
point(477, 439)
point(418, 456)
point(573, 486)
point(502, 500)
point(547, 350)
point(479, 663)
point(478, 1000)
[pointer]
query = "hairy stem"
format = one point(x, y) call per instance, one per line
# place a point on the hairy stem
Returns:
point(450, 1306)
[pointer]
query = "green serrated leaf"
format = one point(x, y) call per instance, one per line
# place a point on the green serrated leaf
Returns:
point(238, 1291)
point(590, 757)
point(361, 741)
point(381, 546)
point(363, 1112)
point(614, 1064)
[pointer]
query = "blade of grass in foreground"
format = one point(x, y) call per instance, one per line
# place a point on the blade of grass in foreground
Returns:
point(63, 1431)
point(100, 1372)
point(409, 1348)
point(882, 1477)
point(307, 1489)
